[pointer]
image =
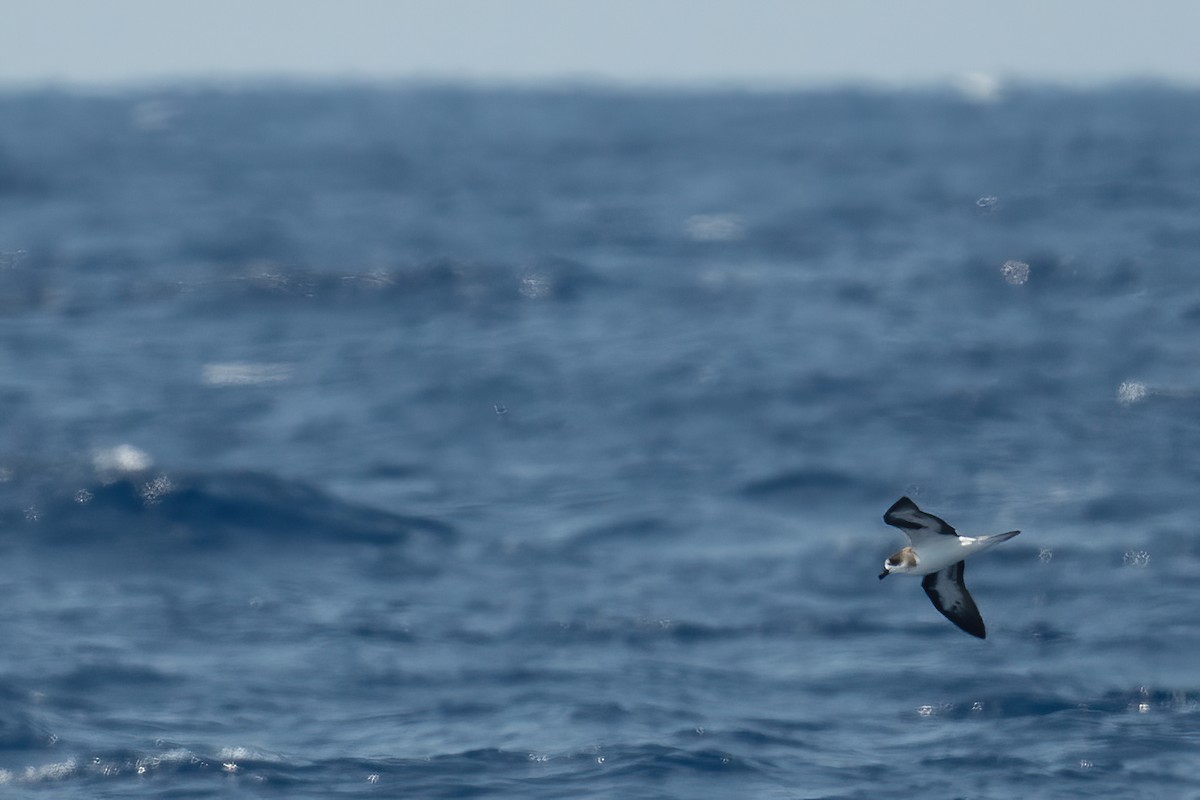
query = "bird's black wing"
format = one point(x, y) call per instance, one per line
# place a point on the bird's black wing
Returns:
point(905, 515)
point(950, 596)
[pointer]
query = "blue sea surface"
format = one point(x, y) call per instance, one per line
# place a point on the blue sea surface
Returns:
point(447, 442)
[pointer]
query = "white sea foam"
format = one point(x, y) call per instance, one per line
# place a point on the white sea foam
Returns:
point(715, 227)
point(124, 458)
point(1015, 273)
point(239, 373)
point(1130, 392)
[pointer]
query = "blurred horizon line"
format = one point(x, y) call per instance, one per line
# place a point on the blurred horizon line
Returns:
point(974, 85)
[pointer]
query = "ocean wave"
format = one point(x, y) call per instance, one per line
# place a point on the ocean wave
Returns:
point(431, 286)
point(590, 771)
point(202, 510)
point(1018, 704)
point(19, 729)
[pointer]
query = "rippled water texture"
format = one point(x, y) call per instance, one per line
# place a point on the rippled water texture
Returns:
point(435, 442)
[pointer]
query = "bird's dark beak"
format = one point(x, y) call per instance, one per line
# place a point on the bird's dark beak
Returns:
point(884, 574)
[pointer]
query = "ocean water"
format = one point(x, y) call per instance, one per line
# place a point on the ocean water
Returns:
point(451, 442)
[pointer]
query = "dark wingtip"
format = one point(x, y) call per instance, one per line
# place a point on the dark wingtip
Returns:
point(979, 632)
point(966, 626)
point(903, 502)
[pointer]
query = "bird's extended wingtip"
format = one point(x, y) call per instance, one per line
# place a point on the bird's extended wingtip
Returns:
point(900, 505)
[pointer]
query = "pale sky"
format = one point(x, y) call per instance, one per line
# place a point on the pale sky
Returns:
point(655, 42)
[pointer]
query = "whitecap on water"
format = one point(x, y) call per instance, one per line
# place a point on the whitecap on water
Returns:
point(715, 227)
point(153, 491)
point(122, 459)
point(1015, 273)
point(57, 771)
point(237, 373)
point(535, 286)
point(1137, 558)
point(1130, 392)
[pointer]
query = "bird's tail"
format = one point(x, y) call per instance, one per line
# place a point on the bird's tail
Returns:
point(1001, 537)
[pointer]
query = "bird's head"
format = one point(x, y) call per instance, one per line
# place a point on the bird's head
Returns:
point(903, 561)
